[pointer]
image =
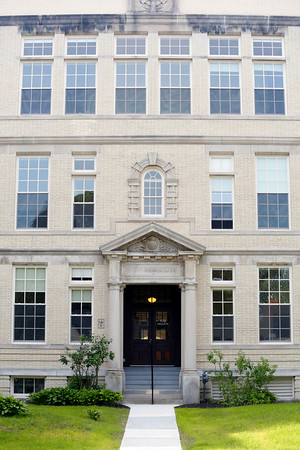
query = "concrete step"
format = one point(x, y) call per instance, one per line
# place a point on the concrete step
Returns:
point(160, 396)
point(140, 377)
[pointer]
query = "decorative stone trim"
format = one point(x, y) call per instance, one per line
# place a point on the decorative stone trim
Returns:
point(151, 6)
point(135, 186)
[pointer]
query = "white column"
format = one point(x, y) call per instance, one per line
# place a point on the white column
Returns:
point(114, 374)
point(190, 377)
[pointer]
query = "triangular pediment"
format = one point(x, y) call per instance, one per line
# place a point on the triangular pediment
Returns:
point(153, 239)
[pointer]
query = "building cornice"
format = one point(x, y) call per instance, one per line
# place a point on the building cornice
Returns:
point(87, 23)
point(150, 139)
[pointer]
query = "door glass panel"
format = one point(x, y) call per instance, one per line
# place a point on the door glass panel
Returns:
point(161, 325)
point(140, 325)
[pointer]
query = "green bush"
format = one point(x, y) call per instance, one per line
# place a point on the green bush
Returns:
point(95, 414)
point(10, 406)
point(68, 396)
point(246, 384)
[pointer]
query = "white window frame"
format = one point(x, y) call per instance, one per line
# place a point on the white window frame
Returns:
point(176, 55)
point(36, 230)
point(231, 177)
point(222, 282)
point(190, 87)
point(84, 55)
point(42, 62)
point(84, 159)
point(222, 170)
point(76, 62)
point(163, 181)
point(83, 176)
point(80, 288)
point(219, 55)
point(272, 40)
point(23, 395)
point(288, 190)
point(223, 286)
point(126, 54)
point(276, 266)
point(81, 282)
point(26, 342)
point(126, 61)
point(37, 41)
point(272, 61)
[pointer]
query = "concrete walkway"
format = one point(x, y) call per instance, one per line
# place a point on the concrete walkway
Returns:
point(151, 426)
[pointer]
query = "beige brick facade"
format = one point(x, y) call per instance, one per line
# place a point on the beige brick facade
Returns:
point(124, 146)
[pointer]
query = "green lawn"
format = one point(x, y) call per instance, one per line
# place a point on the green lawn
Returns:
point(63, 427)
point(263, 427)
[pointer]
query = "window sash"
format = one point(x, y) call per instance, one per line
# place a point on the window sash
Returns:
point(175, 46)
point(37, 47)
point(222, 315)
point(81, 47)
point(153, 193)
point(29, 304)
point(223, 47)
point(81, 313)
point(133, 46)
point(274, 304)
point(267, 47)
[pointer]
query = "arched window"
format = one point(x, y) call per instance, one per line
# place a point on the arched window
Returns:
point(153, 193)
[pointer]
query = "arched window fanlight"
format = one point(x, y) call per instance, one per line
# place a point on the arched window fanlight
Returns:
point(153, 193)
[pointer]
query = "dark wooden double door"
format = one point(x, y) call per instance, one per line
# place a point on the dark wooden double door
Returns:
point(152, 328)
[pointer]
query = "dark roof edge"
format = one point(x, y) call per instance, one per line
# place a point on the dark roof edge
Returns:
point(103, 22)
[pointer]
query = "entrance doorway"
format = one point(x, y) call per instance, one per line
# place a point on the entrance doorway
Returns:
point(152, 326)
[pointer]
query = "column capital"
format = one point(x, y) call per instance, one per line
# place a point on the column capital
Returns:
point(116, 285)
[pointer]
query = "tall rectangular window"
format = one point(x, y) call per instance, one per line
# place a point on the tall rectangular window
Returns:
point(223, 47)
point(36, 88)
point(272, 193)
point(175, 90)
point(29, 305)
point(223, 315)
point(81, 47)
point(274, 304)
point(133, 46)
point(38, 47)
point(81, 88)
point(222, 203)
point(269, 88)
point(153, 193)
point(32, 207)
point(131, 88)
point(81, 313)
point(174, 46)
point(224, 88)
point(83, 207)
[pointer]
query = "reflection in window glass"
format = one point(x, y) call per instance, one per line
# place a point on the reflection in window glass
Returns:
point(175, 91)
point(153, 193)
point(32, 207)
point(272, 192)
point(269, 89)
point(274, 304)
point(224, 88)
point(81, 88)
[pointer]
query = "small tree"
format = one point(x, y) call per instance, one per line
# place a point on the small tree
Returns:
point(87, 360)
point(246, 384)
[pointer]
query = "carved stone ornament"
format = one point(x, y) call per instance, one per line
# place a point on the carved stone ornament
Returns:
point(153, 6)
point(153, 244)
